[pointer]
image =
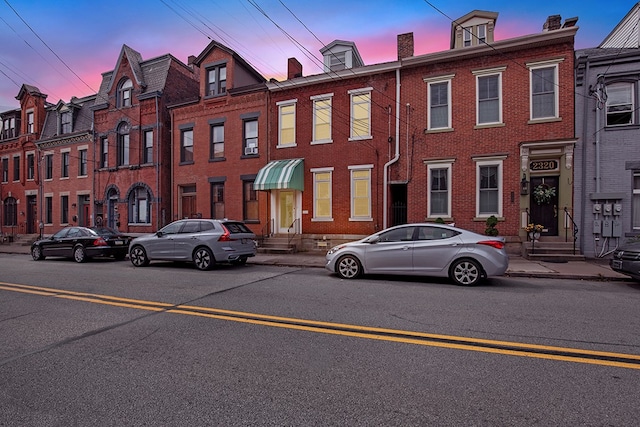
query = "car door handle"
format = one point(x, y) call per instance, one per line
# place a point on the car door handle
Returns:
point(404, 248)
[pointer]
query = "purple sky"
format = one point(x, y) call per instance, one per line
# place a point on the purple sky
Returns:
point(64, 46)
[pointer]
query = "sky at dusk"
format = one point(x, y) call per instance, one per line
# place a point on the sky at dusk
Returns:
point(63, 46)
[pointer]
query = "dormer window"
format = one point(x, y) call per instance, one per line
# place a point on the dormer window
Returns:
point(30, 122)
point(124, 93)
point(340, 55)
point(217, 80)
point(337, 61)
point(467, 36)
point(65, 122)
point(482, 34)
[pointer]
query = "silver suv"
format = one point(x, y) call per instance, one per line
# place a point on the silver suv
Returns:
point(201, 241)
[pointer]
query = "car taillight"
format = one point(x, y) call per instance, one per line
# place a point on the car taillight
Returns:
point(100, 242)
point(226, 235)
point(493, 243)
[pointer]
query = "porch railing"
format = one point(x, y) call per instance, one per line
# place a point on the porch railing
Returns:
point(574, 227)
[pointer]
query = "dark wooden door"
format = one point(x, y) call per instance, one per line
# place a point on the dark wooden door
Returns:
point(545, 212)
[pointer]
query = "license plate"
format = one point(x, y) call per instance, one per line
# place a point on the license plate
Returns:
point(119, 242)
point(616, 264)
point(244, 241)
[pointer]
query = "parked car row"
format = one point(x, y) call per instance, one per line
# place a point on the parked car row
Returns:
point(424, 249)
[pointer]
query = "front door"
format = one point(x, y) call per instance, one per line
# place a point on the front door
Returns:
point(544, 203)
point(286, 211)
point(32, 215)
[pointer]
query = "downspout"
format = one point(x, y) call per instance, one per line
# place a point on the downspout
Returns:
point(583, 187)
point(385, 190)
point(158, 197)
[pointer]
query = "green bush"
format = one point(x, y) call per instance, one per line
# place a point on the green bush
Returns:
point(491, 229)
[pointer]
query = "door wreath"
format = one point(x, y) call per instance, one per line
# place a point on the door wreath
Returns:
point(543, 194)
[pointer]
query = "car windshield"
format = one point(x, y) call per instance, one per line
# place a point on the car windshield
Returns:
point(105, 231)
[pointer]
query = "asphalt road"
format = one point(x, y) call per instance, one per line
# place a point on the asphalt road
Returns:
point(104, 343)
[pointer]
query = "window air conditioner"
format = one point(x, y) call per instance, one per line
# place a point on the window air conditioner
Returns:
point(250, 150)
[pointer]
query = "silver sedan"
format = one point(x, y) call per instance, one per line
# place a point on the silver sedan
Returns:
point(422, 250)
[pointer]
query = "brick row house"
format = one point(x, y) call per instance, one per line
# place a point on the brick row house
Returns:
point(458, 136)
point(607, 178)
point(19, 178)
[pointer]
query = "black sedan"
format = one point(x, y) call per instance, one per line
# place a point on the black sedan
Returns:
point(82, 243)
point(626, 260)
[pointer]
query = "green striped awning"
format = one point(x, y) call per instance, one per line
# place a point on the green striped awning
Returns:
point(281, 175)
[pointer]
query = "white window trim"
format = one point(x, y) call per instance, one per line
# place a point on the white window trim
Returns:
point(315, 197)
point(633, 104)
point(436, 80)
point(325, 97)
point(26, 165)
point(439, 164)
point(488, 73)
point(634, 193)
point(357, 92)
point(352, 169)
point(545, 64)
point(12, 167)
point(490, 161)
point(281, 104)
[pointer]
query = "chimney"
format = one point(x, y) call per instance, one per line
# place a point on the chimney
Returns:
point(294, 68)
point(405, 45)
point(552, 23)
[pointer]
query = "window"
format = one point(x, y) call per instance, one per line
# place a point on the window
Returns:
point(360, 114)
point(82, 162)
point(64, 209)
point(124, 93)
point(48, 166)
point(322, 194)
point(250, 197)
point(104, 152)
point(217, 200)
point(9, 129)
point(620, 105)
point(402, 234)
point(123, 144)
point(321, 119)
point(5, 169)
point(217, 80)
point(439, 108)
point(544, 93)
point(65, 165)
point(287, 120)
point(482, 34)
point(31, 166)
point(217, 141)
point(186, 146)
point(10, 212)
point(16, 168)
point(467, 36)
point(139, 212)
point(439, 202)
point(489, 187)
point(489, 89)
point(65, 122)
point(251, 136)
point(338, 61)
point(360, 193)
point(636, 201)
point(48, 210)
point(147, 149)
point(30, 122)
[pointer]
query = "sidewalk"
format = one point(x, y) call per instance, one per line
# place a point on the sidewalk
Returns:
point(518, 266)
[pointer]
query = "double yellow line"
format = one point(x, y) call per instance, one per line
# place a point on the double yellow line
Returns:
point(620, 360)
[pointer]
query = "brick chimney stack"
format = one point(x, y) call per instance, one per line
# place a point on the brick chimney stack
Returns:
point(552, 23)
point(294, 68)
point(405, 45)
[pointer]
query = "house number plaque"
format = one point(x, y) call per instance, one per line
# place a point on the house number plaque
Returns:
point(543, 165)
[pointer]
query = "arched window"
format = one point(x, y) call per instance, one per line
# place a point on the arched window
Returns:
point(10, 212)
point(139, 206)
point(123, 144)
point(124, 93)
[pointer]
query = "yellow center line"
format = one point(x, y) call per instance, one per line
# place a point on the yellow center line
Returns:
point(342, 329)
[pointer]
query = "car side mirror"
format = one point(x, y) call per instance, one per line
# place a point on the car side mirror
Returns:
point(374, 239)
point(159, 233)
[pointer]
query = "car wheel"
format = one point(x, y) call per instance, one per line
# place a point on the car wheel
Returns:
point(79, 255)
point(203, 258)
point(36, 253)
point(349, 267)
point(465, 272)
point(240, 261)
point(138, 256)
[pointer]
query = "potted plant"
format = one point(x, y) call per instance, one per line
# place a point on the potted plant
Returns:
point(491, 229)
point(543, 194)
point(534, 230)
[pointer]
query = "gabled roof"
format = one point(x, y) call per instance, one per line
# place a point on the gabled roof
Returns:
point(482, 14)
point(29, 89)
point(237, 58)
point(134, 58)
point(331, 47)
point(626, 33)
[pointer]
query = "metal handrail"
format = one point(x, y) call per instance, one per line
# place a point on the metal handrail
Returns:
point(533, 241)
point(575, 229)
point(294, 225)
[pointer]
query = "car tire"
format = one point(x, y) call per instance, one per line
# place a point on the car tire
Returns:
point(79, 254)
point(203, 258)
point(465, 272)
point(349, 267)
point(138, 256)
point(36, 253)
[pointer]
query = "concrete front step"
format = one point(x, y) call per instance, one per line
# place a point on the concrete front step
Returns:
point(556, 257)
point(551, 251)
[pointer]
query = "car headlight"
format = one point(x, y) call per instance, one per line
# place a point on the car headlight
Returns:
point(335, 249)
